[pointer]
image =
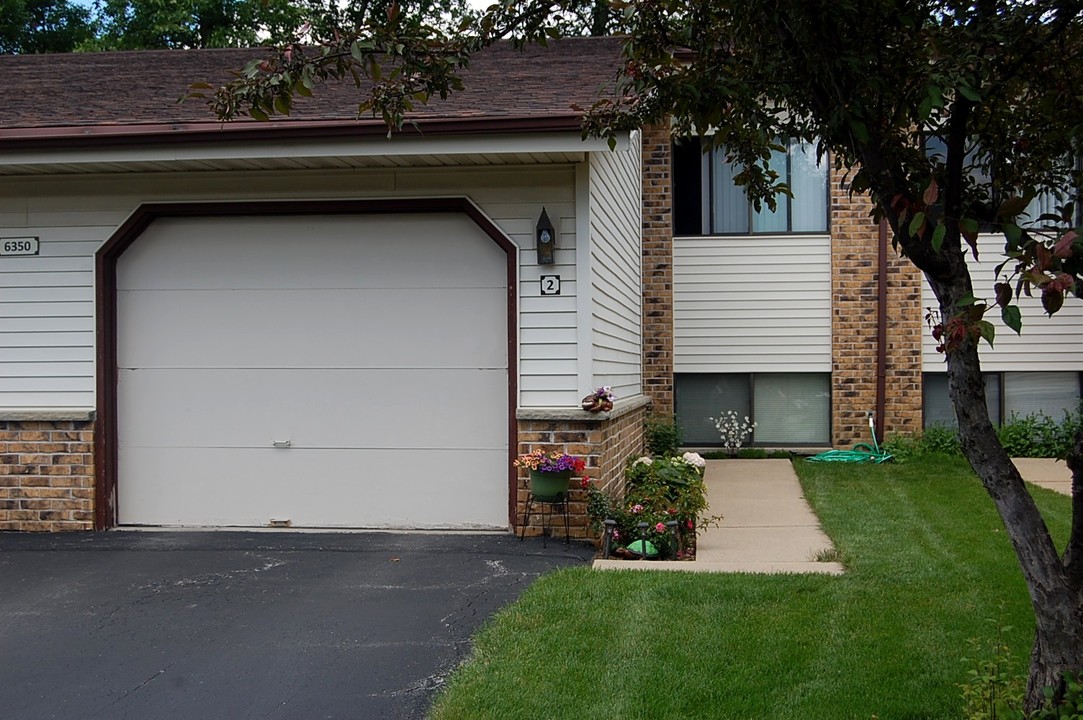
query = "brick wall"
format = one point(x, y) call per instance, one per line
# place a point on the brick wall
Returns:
point(605, 443)
point(46, 475)
point(657, 270)
point(854, 291)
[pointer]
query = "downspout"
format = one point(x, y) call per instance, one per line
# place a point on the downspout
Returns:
point(881, 333)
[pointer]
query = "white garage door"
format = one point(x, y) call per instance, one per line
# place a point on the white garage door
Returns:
point(328, 371)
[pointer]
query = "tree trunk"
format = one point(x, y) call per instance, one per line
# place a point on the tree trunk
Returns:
point(1055, 591)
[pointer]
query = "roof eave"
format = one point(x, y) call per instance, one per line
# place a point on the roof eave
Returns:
point(100, 136)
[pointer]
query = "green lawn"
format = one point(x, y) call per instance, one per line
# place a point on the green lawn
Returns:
point(928, 566)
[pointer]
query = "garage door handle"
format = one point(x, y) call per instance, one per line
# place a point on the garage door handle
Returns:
point(281, 443)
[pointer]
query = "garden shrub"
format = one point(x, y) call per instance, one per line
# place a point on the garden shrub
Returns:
point(1038, 435)
point(936, 440)
point(940, 440)
point(1071, 705)
point(993, 689)
point(1034, 435)
point(902, 447)
point(663, 435)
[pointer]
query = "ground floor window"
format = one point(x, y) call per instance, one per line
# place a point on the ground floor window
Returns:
point(788, 408)
point(1007, 394)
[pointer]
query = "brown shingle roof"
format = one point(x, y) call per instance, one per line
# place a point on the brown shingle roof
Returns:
point(85, 95)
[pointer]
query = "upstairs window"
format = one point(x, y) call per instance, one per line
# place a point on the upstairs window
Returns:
point(706, 201)
point(975, 163)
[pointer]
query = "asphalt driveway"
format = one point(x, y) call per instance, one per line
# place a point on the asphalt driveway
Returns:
point(160, 625)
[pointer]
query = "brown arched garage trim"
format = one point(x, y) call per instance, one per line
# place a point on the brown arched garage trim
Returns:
point(105, 270)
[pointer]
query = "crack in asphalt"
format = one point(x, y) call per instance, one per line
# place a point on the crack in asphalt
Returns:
point(211, 579)
point(127, 693)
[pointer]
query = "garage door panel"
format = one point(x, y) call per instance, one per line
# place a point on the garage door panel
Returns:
point(392, 408)
point(441, 250)
point(342, 488)
point(375, 345)
point(311, 328)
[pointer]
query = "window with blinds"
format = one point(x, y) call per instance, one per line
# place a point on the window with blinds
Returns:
point(1007, 394)
point(788, 408)
point(707, 202)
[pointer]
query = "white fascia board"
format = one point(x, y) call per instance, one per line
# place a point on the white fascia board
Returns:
point(539, 143)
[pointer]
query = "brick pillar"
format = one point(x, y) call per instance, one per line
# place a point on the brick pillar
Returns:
point(657, 269)
point(854, 292)
point(605, 441)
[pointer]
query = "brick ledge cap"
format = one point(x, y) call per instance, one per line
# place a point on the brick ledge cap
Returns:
point(620, 407)
point(77, 414)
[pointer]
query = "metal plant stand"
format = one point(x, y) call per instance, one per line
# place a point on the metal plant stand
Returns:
point(551, 502)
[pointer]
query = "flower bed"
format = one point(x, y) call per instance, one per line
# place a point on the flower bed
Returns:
point(664, 504)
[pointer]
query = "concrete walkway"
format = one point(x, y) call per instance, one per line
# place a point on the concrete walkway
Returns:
point(1046, 472)
point(767, 525)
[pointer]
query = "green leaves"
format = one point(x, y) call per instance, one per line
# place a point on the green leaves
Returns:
point(1013, 233)
point(917, 225)
point(938, 237)
point(1013, 206)
point(933, 100)
point(969, 92)
point(1012, 317)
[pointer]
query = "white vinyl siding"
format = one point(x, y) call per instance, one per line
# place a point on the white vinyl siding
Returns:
point(615, 197)
point(51, 365)
point(548, 345)
point(752, 304)
point(47, 315)
point(1047, 343)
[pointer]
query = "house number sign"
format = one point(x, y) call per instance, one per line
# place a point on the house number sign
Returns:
point(550, 284)
point(19, 246)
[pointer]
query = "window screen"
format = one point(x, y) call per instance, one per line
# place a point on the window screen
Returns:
point(937, 403)
point(1051, 393)
point(789, 408)
point(792, 408)
point(701, 397)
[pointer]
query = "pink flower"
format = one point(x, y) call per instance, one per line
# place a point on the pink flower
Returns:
point(584, 483)
point(690, 525)
point(616, 534)
point(660, 527)
point(637, 508)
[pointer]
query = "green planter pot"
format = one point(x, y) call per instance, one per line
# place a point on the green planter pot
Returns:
point(549, 485)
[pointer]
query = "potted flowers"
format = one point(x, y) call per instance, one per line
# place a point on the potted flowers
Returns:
point(601, 400)
point(550, 471)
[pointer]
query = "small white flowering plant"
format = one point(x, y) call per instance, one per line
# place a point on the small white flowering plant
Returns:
point(733, 430)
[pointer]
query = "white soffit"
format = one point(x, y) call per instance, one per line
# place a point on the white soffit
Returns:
point(363, 152)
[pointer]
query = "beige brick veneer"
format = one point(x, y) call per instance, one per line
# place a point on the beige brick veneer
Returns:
point(657, 269)
point(606, 442)
point(46, 475)
point(855, 271)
